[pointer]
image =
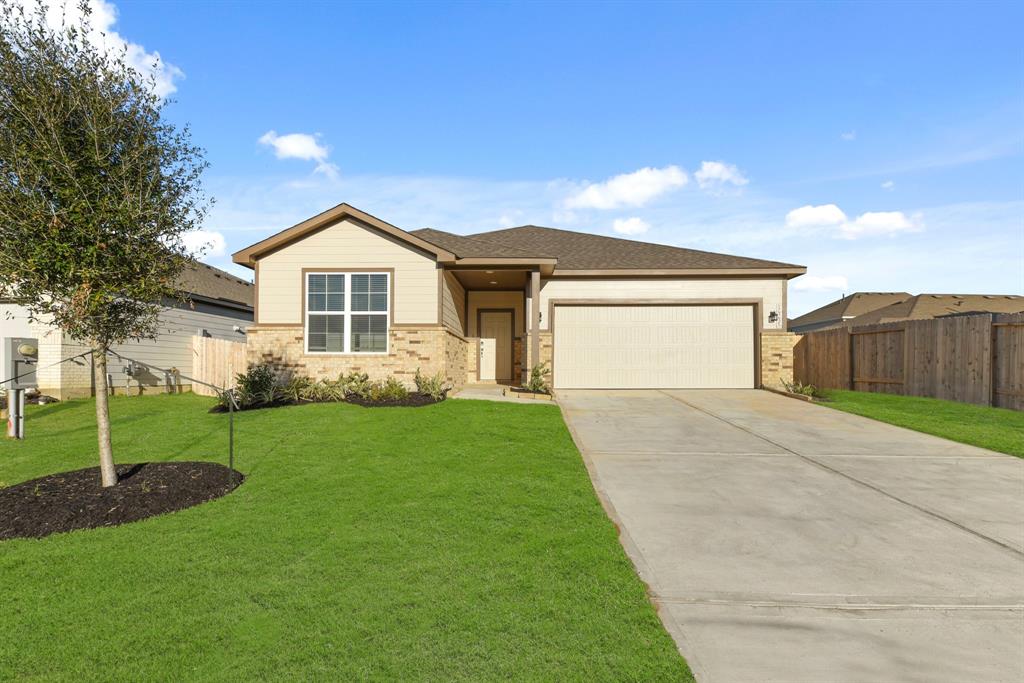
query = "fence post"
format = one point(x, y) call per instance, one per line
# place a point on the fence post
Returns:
point(849, 355)
point(992, 356)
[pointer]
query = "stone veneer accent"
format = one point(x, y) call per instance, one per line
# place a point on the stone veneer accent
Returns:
point(429, 348)
point(777, 358)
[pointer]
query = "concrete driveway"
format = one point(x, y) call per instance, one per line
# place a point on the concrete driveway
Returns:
point(784, 541)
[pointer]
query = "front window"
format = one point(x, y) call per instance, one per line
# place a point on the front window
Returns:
point(347, 312)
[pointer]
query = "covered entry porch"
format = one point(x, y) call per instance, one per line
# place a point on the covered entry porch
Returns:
point(489, 306)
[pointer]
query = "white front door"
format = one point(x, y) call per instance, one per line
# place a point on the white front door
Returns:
point(495, 346)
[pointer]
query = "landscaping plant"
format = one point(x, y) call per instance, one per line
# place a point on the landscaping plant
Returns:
point(539, 379)
point(434, 387)
point(97, 190)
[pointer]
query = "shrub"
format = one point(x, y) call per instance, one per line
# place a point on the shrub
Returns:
point(389, 390)
point(325, 390)
point(539, 378)
point(356, 384)
point(802, 389)
point(296, 389)
point(255, 386)
point(434, 387)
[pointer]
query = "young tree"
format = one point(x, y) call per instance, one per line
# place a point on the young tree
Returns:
point(96, 191)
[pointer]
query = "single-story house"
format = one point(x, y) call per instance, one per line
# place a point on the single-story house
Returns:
point(847, 308)
point(345, 291)
point(219, 305)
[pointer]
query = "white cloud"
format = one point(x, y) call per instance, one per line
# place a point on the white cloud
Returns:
point(103, 36)
point(300, 146)
point(849, 135)
point(821, 283)
point(880, 223)
point(713, 176)
point(630, 226)
point(629, 189)
point(205, 243)
point(888, 185)
point(815, 216)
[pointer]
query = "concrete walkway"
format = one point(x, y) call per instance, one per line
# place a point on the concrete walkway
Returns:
point(784, 541)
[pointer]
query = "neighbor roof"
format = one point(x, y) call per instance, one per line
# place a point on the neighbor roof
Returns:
point(208, 282)
point(849, 306)
point(581, 251)
point(924, 306)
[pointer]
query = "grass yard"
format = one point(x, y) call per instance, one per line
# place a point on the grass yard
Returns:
point(457, 541)
point(997, 429)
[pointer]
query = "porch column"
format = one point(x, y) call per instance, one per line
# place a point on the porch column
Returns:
point(534, 318)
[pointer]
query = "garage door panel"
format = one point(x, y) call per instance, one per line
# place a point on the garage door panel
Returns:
point(621, 347)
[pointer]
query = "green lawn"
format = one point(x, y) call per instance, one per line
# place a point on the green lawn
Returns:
point(993, 428)
point(457, 541)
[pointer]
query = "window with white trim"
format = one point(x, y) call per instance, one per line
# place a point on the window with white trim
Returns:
point(347, 312)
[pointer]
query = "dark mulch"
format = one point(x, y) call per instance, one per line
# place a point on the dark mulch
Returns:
point(413, 400)
point(76, 500)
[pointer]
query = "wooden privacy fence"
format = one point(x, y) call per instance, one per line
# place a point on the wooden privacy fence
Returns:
point(216, 361)
point(975, 358)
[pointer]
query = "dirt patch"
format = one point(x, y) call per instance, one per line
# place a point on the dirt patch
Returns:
point(76, 500)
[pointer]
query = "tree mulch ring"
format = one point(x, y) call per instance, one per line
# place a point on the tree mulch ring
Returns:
point(76, 500)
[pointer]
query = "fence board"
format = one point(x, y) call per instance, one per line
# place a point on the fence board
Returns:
point(216, 361)
point(969, 358)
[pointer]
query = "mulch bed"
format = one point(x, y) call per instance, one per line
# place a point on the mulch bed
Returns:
point(413, 400)
point(76, 500)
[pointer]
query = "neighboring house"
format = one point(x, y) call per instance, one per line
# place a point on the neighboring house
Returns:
point(344, 291)
point(841, 310)
point(220, 305)
point(923, 306)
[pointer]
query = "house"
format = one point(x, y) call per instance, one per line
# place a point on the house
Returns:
point(847, 308)
point(220, 305)
point(923, 306)
point(345, 291)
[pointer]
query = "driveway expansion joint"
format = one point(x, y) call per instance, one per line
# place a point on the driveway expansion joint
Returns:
point(829, 468)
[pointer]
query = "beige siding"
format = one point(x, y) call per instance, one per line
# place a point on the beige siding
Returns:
point(770, 290)
point(484, 299)
point(453, 304)
point(347, 245)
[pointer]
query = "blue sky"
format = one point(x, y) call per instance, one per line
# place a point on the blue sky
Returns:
point(881, 145)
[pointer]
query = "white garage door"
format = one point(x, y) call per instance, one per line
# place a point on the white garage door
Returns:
point(653, 347)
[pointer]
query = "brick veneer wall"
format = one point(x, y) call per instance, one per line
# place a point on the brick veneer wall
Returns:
point(432, 349)
point(777, 358)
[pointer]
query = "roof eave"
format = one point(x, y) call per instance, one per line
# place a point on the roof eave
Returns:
point(788, 272)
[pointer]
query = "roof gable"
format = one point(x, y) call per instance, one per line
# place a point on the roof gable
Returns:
point(252, 253)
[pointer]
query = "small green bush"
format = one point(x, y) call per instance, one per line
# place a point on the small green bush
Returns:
point(389, 390)
point(802, 389)
point(539, 378)
point(255, 386)
point(434, 387)
point(356, 384)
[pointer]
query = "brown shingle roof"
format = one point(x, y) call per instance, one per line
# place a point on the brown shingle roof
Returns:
point(214, 283)
point(470, 247)
point(586, 251)
point(850, 305)
point(924, 306)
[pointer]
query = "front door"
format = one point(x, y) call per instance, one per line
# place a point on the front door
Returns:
point(495, 346)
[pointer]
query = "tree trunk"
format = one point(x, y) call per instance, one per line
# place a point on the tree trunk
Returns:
point(107, 472)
